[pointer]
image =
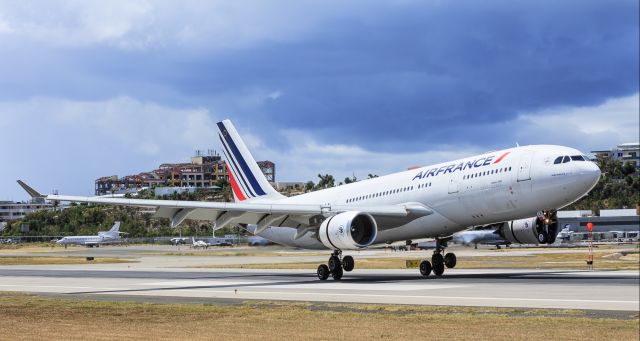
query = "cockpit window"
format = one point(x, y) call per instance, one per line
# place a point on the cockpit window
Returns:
point(577, 158)
point(558, 160)
point(566, 159)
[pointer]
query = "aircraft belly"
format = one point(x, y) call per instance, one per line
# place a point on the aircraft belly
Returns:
point(286, 236)
point(489, 202)
point(425, 227)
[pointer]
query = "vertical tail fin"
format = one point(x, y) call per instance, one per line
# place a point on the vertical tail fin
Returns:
point(247, 180)
point(114, 232)
point(116, 228)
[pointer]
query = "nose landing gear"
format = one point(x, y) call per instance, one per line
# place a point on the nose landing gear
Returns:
point(336, 266)
point(438, 262)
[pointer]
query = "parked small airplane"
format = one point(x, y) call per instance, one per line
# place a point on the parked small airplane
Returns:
point(104, 237)
point(199, 244)
point(485, 237)
point(221, 242)
point(179, 240)
point(565, 235)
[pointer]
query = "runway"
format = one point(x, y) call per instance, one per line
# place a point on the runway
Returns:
point(593, 290)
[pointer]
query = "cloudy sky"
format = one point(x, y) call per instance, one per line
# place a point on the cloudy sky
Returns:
point(95, 88)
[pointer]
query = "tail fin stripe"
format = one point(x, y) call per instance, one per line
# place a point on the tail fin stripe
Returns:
point(243, 170)
point(234, 186)
point(241, 184)
point(235, 169)
point(238, 179)
point(241, 161)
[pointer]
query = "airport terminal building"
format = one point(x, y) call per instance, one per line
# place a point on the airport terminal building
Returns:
point(623, 224)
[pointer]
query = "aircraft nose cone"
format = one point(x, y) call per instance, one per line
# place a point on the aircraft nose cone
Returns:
point(591, 175)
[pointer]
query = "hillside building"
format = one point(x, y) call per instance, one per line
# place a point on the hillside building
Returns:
point(204, 171)
point(626, 152)
point(17, 210)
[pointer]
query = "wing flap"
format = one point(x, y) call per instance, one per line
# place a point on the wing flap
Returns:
point(223, 213)
point(266, 208)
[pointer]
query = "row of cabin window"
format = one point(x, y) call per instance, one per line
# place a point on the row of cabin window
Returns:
point(494, 171)
point(394, 191)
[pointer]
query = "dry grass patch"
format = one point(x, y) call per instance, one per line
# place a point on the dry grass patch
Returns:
point(603, 260)
point(573, 261)
point(18, 260)
point(31, 317)
point(361, 263)
point(207, 253)
point(34, 248)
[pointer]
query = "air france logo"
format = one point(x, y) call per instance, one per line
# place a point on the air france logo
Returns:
point(481, 162)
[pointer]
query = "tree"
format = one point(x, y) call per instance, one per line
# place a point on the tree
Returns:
point(371, 176)
point(225, 189)
point(326, 181)
point(349, 180)
point(628, 168)
point(309, 186)
point(619, 187)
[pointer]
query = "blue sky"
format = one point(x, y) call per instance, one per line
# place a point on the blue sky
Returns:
point(94, 88)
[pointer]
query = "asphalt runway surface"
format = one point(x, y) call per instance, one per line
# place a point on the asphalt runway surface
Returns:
point(162, 274)
point(592, 290)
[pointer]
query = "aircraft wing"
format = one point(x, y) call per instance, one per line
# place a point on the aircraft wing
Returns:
point(267, 214)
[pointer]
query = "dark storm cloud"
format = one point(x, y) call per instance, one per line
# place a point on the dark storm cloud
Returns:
point(383, 76)
point(342, 87)
point(438, 72)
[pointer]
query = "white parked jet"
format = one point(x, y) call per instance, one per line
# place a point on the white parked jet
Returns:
point(178, 241)
point(199, 244)
point(518, 188)
point(104, 237)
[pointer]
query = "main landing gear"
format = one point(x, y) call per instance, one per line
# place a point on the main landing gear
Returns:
point(438, 262)
point(336, 266)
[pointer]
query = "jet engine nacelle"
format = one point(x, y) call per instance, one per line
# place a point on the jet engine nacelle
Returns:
point(536, 230)
point(348, 231)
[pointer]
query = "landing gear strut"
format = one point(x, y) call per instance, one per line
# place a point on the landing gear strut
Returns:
point(336, 266)
point(438, 262)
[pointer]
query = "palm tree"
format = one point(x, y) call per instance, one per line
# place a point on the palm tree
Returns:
point(326, 181)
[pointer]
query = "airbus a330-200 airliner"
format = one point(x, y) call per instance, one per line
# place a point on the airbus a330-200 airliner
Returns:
point(517, 190)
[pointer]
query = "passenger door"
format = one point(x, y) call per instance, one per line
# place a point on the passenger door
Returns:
point(454, 184)
point(524, 169)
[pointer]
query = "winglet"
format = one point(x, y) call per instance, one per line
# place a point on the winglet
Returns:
point(32, 192)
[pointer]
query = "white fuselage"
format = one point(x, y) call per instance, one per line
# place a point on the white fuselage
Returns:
point(493, 187)
point(88, 240)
